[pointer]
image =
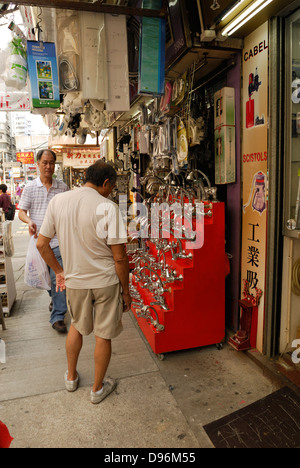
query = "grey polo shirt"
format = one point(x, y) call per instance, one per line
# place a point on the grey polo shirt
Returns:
point(35, 199)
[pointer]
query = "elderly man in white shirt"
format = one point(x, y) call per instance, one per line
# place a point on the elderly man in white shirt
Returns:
point(32, 209)
point(92, 238)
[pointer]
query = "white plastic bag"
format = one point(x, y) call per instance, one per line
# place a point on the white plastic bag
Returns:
point(15, 75)
point(36, 270)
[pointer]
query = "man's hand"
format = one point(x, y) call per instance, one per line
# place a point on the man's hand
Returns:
point(23, 216)
point(60, 282)
point(127, 300)
point(32, 229)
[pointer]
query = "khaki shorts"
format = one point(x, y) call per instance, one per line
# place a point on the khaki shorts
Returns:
point(98, 310)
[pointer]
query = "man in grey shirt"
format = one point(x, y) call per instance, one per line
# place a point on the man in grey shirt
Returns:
point(32, 209)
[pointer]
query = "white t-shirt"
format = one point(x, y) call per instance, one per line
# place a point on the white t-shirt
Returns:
point(86, 224)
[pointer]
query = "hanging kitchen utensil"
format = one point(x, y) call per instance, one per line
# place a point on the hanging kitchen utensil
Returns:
point(183, 148)
point(173, 145)
point(166, 99)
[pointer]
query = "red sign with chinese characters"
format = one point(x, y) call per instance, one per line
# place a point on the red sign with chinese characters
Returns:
point(26, 158)
point(81, 158)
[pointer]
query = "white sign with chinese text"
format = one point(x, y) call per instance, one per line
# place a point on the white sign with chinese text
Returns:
point(80, 158)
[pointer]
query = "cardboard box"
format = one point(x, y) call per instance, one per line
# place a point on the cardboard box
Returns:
point(225, 165)
point(225, 107)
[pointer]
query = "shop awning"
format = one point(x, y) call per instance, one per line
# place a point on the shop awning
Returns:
point(99, 7)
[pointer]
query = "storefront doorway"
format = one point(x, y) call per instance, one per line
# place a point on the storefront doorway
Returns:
point(290, 311)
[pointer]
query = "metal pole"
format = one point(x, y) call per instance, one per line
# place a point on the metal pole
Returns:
point(4, 168)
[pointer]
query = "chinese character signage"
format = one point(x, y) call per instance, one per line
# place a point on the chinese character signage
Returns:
point(82, 158)
point(26, 158)
point(15, 101)
point(43, 75)
point(255, 166)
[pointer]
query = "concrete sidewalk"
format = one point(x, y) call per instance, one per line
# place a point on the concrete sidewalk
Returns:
point(158, 404)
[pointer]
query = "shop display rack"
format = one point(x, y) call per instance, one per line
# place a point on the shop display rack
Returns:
point(179, 294)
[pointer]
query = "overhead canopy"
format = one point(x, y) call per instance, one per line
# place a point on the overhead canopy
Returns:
point(184, 26)
point(213, 10)
point(99, 7)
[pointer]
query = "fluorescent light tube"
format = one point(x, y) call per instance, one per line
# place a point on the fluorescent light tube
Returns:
point(246, 14)
point(232, 10)
point(249, 17)
point(242, 16)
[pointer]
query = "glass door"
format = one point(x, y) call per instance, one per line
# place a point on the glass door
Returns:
point(292, 149)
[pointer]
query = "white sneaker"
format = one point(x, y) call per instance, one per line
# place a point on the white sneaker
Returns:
point(71, 386)
point(109, 385)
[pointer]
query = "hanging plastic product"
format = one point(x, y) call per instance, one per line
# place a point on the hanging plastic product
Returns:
point(68, 50)
point(29, 21)
point(117, 65)
point(43, 76)
point(11, 99)
point(18, 32)
point(15, 75)
point(94, 56)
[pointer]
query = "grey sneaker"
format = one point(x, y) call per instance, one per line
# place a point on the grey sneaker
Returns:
point(109, 385)
point(71, 386)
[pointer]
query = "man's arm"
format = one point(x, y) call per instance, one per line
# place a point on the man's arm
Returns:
point(24, 207)
point(122, 269)
point(43, 246)
point(23, 216)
